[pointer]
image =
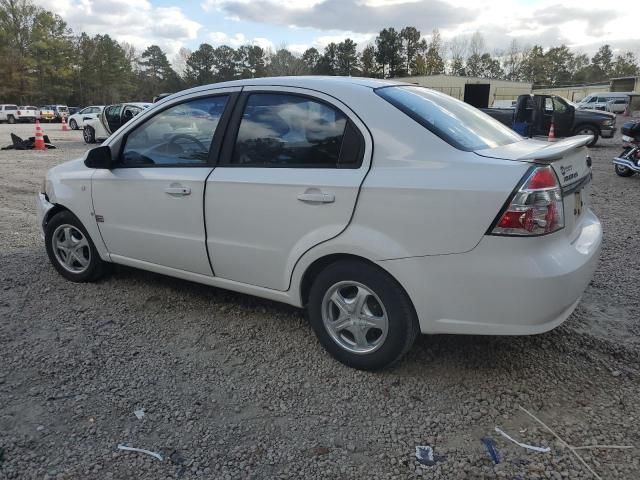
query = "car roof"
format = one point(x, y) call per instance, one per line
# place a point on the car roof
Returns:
point(333, 85)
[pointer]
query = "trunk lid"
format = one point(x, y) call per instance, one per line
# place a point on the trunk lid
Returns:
point(568, 158)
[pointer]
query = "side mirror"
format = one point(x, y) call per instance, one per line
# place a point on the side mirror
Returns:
point(99, 157)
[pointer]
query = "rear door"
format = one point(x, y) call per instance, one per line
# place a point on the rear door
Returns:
point(293, 163)
point(149, 206)
point(111, 118)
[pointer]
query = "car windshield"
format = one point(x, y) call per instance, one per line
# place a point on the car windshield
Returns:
point(456, 122)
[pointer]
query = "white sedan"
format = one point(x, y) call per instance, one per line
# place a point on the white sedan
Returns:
point(111, 119)
point(384, 209)
point(78, 119)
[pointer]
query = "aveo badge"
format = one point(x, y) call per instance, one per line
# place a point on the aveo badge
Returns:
point(567, 173)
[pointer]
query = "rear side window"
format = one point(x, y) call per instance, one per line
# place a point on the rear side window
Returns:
point(11, 107)
point(457, 123)
point(284, 130)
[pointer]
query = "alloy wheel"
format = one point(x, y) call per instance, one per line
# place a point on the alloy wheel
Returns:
point(71, 248)
point(355, 317)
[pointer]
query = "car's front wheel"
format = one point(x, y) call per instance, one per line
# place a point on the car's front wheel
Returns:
point(71, 250)
point(89, 134)
point(361, 315)
point(588, 130)
point(73, 125)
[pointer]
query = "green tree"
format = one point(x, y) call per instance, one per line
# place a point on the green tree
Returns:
point(625, 65)
point(283, 62)
point(311, 58)
point(412, 44)
point(433, 62)
point(199, 66)
point(368, 65)
point(224, 62)
point(534, 66)
point(390, 52)
point(328, 64)
point(156, 75)
point(250, 61)
point(346, 58)
point(559, 63)
point(602, 64)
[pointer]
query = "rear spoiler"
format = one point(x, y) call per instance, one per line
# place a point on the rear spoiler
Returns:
point(556, 150)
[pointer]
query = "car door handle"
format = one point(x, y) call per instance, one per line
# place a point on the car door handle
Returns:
point(317, 197)
point(177, 191)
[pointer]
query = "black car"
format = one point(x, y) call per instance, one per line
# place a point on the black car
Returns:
point(533, 115)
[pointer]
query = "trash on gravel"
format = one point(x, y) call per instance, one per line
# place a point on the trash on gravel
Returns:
point(490, 446)
point(139, 413)
point(140, 450)
point(426, 456)
point(523, 445)
point(18, 143)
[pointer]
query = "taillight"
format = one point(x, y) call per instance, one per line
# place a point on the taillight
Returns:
point(535, 209)
point(19, 112)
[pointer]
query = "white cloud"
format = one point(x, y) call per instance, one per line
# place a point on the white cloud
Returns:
point(135, 21)
point(238, 39)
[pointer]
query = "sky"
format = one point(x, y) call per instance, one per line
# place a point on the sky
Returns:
point(583, 25)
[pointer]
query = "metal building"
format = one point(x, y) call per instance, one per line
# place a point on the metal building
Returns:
point(479, 92)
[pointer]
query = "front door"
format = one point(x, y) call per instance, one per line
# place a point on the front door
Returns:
point(149, 207)
point(291, 170)
point(563, 117)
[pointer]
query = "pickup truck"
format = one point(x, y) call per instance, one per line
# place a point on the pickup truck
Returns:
point(11, 113)
point(533, 115)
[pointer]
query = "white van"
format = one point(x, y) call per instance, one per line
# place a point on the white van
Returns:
point(615, 102)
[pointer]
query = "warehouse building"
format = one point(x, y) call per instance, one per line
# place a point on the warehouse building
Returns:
point(576, 93)
point(479, 92)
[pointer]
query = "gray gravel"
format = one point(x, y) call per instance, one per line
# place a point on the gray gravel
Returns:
point(237, 387)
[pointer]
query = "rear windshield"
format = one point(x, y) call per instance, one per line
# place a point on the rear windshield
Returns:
point(457, 123)
point(62, 108)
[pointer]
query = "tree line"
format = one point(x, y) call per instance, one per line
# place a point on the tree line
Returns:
point(42, 60)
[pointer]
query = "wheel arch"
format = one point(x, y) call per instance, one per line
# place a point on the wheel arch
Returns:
point(318, 265)
point(587, 124)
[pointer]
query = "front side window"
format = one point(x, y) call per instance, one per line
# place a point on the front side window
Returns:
point(559, 106)
point(180, 135)
point(457, 123)
point(281, 130)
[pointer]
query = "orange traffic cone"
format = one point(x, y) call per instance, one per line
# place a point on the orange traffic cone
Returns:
point(64, 125)
point(39, 143)
point(552, 133)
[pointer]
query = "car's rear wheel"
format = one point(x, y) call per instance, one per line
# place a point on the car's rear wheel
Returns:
point(588, 130)
point(71, 250)
point(89, 134)
point(73, 125)
point(361, 315)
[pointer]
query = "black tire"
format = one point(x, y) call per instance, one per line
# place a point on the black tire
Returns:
point(621, 170)
point(73, 125)
point(11, 119)
point(402, 320)
point(95, 268)
point(588, 130)
point(89, 134)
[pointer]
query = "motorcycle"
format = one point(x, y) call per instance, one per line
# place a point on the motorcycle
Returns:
point(628, 162)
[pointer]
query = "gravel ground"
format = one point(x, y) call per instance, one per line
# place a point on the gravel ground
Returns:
point(237, 387)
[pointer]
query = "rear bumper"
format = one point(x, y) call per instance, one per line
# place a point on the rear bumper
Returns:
point(504, 286)
point(42, 208)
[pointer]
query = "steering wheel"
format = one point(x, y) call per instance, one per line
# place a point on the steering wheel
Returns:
point(172, 143)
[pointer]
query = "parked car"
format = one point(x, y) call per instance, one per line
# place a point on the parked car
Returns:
point(77, 120)
point(111, 119)
point(27, 113)
point(600, 100)
point(617, 105)
point(453, 223)
point(73, 110)
point(533, 115)
point(46, 114)
point(12, 113)
point(59, 111)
